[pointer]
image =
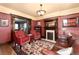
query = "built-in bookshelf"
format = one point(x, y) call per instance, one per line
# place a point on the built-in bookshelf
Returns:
point(51, 24)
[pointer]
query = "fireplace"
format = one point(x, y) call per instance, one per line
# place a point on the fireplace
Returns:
point(50, 35)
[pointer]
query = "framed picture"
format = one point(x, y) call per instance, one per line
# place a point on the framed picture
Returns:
point(70, 22)
point(4, 23)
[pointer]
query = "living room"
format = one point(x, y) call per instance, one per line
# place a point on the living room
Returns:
point(24, 31)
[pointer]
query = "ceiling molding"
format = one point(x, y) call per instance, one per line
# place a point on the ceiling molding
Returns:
point(11, 11)
point(59, 13)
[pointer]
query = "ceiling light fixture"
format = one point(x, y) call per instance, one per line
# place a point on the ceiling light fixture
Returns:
point(41, 12)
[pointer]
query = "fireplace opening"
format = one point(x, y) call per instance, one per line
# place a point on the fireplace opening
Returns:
point(50, 35)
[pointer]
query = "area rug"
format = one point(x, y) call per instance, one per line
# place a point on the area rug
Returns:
point(18, 50)
point(35, 47)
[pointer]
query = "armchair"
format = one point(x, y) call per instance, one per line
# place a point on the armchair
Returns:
point(20, 37)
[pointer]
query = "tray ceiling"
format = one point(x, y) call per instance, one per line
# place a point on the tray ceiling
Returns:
point(31, 8)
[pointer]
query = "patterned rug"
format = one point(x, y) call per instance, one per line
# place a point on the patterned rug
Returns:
point(18, 50)
point(35, 47)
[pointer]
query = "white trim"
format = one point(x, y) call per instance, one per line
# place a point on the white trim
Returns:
point(53, 31)
point(49, 40)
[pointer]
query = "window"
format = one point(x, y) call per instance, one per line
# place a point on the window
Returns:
point(16, 26)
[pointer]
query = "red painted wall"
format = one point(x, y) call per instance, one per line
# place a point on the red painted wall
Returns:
point(5, 32)
point(74, 30)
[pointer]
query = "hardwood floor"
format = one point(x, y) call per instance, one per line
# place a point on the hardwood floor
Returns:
point(6, 49)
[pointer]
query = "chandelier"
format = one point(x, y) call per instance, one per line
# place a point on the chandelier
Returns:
point(41, 12)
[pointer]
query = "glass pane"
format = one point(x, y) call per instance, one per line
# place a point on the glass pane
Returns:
point(50, 36)
point(16, 26)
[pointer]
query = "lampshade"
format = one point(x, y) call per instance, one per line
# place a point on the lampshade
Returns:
point(41, 12)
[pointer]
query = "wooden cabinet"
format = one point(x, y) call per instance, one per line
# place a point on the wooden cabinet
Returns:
point(36, 29)
point(40, 25)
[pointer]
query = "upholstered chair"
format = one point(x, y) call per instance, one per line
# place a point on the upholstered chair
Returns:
point(21, 37)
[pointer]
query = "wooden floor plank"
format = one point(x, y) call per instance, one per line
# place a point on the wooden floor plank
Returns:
point(6, 49)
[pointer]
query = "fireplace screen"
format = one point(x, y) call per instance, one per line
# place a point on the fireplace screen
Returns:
point(50, 36)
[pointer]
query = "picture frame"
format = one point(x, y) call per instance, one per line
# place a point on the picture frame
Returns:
point(4, 23)
point(70, 22)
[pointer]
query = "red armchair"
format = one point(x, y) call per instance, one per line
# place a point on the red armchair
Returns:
point(21, 37)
